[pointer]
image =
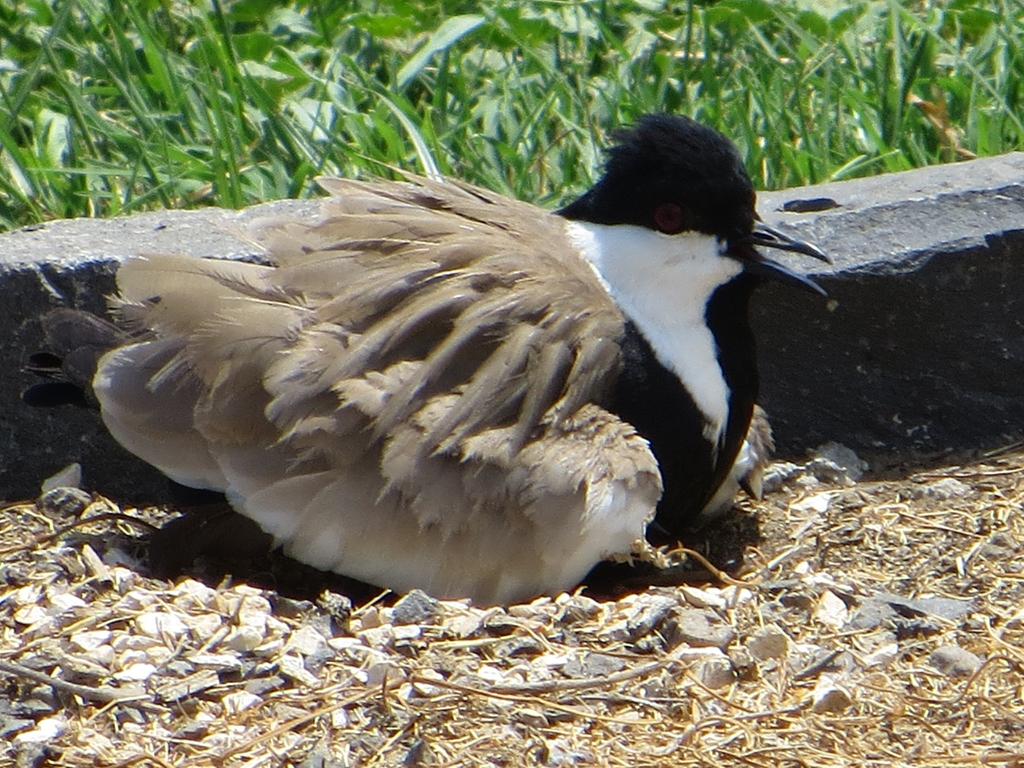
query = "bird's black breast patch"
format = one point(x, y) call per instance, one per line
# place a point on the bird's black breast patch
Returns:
point(652, 398)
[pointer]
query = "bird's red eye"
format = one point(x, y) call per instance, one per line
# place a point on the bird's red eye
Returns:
point(668, 218)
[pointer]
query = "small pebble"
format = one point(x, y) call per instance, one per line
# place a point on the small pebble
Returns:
point(379, 637)
point(30, 614)
point(531, 717)
point(649, 613)
point(162, 626)
point(261, 686)
point(703, 598)
point(408, 632)
point(192, 593)
point(70, 477)
point(716, 673)
point(465, 625)
point(768, 643)
point(64, 501)
point(226, 662)
point(592, 665)
point(778, 474)
point(417, 607)
point(817, 503)
point(377, 673)
point(293, 668)
point(244, 639)
point(829, 697)
point(239, 701)
point(65, 601)
point(699, 628)
point(831, 610)
point(425, 689)
point(837, 464)
point(306, 641)
point(136, 672)
point(943, 490)
point(954, 661)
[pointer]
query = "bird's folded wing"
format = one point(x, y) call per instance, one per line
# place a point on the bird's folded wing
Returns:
point(407, 323)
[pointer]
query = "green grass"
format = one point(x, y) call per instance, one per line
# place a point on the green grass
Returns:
point(111, 106)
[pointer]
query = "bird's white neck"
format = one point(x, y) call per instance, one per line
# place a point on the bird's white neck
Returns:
point(662, 283)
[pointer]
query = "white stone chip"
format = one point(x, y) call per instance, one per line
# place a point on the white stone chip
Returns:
point(30, 614)
point(465, 625)
point(225, 661)
point(293, 668)
point(340, 719)
point(27, 595)
point(831, 610)
point(239, 701)
point(370, 618)
point(703, 598)
point(136, 673)
point(379, 637)
point(276, 627)
point(425, 689)
point(254, 606)
point(160, 625)
point(768, 643)
point(491, 674)
point(829, 696)
point(190, 592)
point(65, 601)
point(123, 641)
point(408, 632)
point(345, 643)
point(47, 729)
point(375, 674)
point(818, 503)
point(716, 673)
point(244, 639)
point(135, 600)
point(882, 656)
point(204, 625)
point(306, 641)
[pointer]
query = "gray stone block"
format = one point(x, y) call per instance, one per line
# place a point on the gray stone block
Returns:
point(920, 350)
point(72, 263)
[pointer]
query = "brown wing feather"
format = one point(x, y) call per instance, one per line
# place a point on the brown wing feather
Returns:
point(481, 291)
point(416, 356)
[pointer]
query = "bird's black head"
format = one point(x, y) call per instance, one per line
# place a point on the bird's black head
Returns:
point(672, 174)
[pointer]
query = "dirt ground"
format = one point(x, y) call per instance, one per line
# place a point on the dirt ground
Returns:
point(873, 624)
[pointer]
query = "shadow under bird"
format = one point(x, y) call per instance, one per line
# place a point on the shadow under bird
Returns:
point(433, 386)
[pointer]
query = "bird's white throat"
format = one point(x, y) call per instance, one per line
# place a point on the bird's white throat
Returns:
point(663, 283)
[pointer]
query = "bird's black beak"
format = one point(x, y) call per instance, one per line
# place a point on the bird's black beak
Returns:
point(764, 236)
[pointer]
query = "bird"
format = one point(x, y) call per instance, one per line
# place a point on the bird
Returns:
point(429, 385)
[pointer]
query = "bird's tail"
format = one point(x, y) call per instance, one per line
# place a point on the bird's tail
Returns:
point(74, 342)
